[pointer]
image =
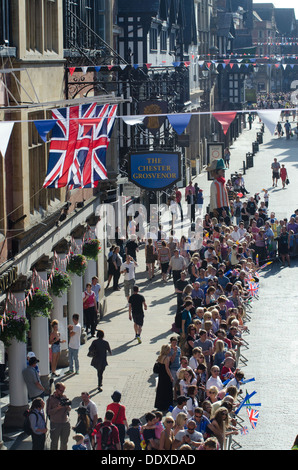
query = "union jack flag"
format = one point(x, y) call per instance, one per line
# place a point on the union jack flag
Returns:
point(253, 416)
point(80, 138)
point(244, 430)
point(253, 288)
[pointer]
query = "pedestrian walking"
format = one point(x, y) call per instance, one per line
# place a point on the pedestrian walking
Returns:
point(137, 305)
point(227, 157)
point(178, 200)
point(150, 257)
point(74, 344)
point(128, 270)
point(283, 176)
point(275, 167)
point(287, 127)
point(177, 265)
point(58, 409)
point(98, 351)
point(117, 262)
point(191, 201)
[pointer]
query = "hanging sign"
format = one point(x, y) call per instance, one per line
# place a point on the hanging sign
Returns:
point(154, 170)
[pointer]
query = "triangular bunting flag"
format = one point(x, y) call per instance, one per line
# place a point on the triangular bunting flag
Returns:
point(43, 127)
point(5, 132)
point(179, 122)
point(176, 64)
point(225, 119)
point(84, 70)
point(148, 66)
point(133, 120)
point(71, 70)
point(270, 118)
point(97, 69)
point(122, 66)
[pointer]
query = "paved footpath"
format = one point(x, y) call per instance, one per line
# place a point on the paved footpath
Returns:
point(272, 340)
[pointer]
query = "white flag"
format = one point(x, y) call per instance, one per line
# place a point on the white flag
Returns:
point(270, 118)
point(5, 132)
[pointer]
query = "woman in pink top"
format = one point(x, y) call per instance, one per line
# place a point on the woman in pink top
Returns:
point(90, 309)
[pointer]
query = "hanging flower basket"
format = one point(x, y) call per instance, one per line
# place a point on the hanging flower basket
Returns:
point(61, 282)
point(40, 304)
point(91, 248)
point(77, 265)
point(12, 327)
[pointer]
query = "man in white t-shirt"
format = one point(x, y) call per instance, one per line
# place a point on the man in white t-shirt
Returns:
point(128, 269)
point(74, 343)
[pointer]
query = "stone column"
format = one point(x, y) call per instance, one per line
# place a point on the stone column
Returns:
point(60, 313)
point(40, 336)
point(17, 362)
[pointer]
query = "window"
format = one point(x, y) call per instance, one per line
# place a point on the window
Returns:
point(153, 39)
point(172, 41)
point(33, 25)
point(50, 26)
point(163, 41)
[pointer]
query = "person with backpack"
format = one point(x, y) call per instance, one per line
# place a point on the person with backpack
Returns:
point(119, 418)
point(106, 434)
point(35, 424)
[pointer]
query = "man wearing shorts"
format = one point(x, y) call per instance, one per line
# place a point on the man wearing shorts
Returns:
point(137, 305)
point(275, 171)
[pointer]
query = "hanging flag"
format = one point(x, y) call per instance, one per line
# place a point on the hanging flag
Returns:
point(5, 133)
point(225, 119)
point(179, 122)
point(71, 70)
point(133, 120)
point(44, 127)
point(270, 118)
point(84, 70)
point(71, 147)
point(253, 416)
point(88, 170)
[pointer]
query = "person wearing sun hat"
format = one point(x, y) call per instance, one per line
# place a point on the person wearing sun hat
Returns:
point(219, 199)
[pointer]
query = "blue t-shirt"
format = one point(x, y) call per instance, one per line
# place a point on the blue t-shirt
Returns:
point(187, 317)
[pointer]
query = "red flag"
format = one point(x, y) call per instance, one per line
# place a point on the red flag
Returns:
point(225, 119)
point(71, 70)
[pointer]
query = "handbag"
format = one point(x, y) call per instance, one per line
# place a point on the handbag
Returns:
point(156, 368)
point(287, 181)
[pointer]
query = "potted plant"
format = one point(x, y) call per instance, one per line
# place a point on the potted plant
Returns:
point(77, 264)
point(91, 248)
point(40, 304)
point(13, 327)
point(61, 282)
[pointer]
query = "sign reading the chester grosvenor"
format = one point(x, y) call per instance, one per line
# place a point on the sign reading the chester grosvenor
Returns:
point(154, 170)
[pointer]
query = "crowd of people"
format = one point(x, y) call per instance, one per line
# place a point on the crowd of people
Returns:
point(214, 267)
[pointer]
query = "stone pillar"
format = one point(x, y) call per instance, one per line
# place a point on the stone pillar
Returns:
point(40, 336)
point(17, 362)
point(60, 313)
point(75, 298)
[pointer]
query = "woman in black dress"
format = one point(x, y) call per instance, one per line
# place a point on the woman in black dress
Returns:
point(98, 351)
point(164, 391)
